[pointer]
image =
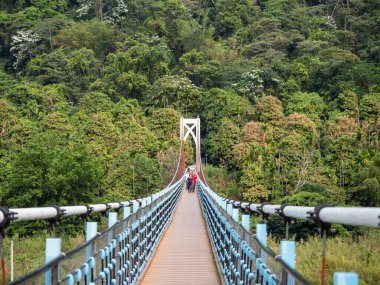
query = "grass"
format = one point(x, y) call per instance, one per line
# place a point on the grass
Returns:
point(359, 254)
point(29, 253)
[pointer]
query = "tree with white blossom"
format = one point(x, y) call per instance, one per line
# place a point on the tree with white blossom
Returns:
point(22, 46)
point(251, 84)
point(112, 11)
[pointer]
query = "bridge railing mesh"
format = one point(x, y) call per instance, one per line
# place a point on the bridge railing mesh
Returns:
point(242, 258)
point(117, 255)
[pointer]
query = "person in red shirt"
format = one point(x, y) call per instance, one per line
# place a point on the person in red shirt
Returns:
point(194, 176)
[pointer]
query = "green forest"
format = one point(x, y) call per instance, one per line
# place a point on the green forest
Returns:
point(288, 93)
point(92, 91)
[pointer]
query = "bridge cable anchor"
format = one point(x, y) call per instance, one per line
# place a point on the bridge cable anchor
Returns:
point(108, 207)
point(261, 211)
point(89, 211)
point(9, 216)
point(287, 220)
point(121, 205)
point(315, 217)
point(53, 222)
point(325, 229)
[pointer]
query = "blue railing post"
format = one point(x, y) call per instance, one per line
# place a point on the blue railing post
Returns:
point(224, 205)
point(235, 215)
point(53, 250)
point(112, 219)
point(143, 205)
point(91, 231)
point(346, 278)
point(229, 209)
point(245, 222)
point(126, 214)
point(288, 255)
point(135, 206)
point(261, 234)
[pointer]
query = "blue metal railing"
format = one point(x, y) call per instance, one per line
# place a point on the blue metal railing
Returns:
point(243, 258)
point(323, 215)
point(117, 255)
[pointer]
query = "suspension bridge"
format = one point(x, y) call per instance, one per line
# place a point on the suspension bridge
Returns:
point(175, 237)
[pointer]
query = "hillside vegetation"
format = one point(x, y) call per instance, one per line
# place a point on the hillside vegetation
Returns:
point(91, 92)
point(288, 92)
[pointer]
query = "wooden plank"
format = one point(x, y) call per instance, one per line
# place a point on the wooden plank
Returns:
point(184, 256)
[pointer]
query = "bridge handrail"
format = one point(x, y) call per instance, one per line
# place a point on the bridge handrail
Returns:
point(350, 216)
point(113, 232)
point(13, 215)
point(272, 266)
point(322, 214)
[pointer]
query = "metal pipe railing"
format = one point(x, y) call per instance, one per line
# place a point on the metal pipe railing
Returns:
point(322, 214)
point(243, 258)
point(14, 215)
point(118, 254)
point(350, 216)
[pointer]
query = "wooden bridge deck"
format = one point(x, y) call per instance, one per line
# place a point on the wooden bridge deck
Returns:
point(184, 256)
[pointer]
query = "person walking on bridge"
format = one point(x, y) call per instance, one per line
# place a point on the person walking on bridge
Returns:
point(189, 182)
point(194, 178)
